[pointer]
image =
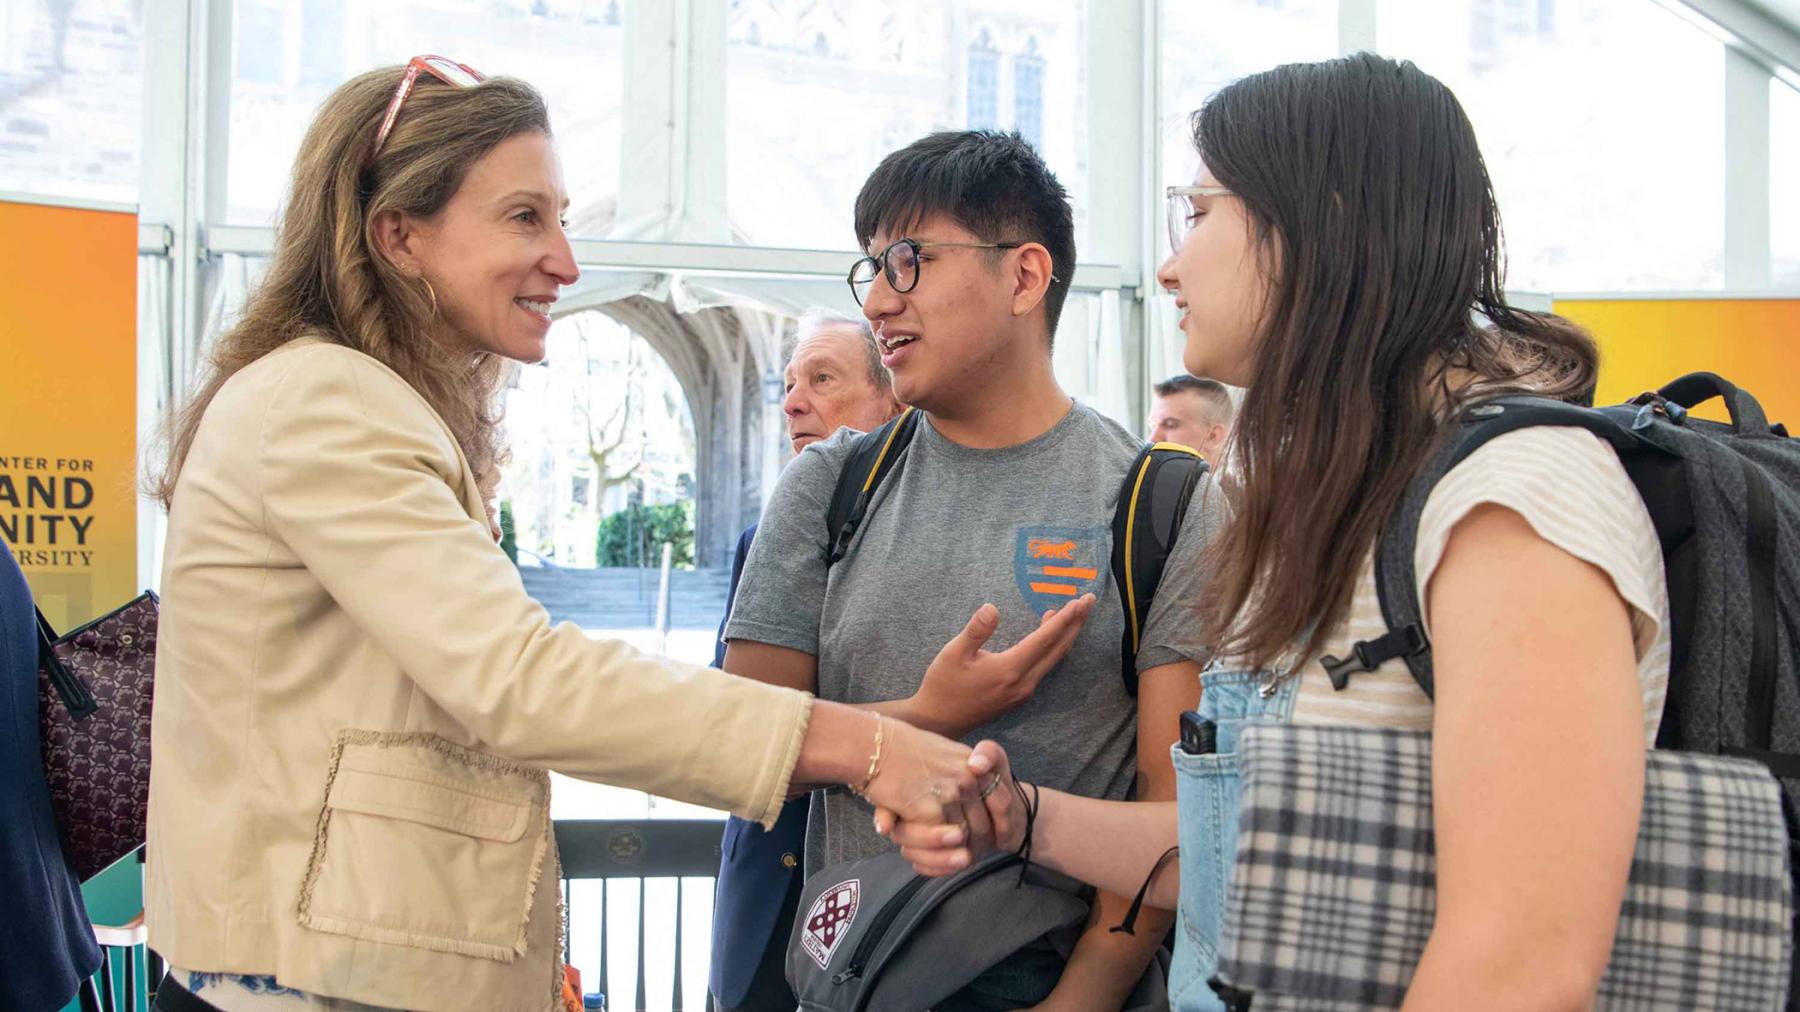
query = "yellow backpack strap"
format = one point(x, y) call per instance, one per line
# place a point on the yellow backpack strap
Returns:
point(1152, 503)
point(873, 456)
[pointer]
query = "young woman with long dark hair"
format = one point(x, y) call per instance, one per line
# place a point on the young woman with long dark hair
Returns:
point(1339, 256)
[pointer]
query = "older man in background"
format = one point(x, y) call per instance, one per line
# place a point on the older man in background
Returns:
point(834, 380)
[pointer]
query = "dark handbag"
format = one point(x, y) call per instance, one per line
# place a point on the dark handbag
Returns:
point(94, 687)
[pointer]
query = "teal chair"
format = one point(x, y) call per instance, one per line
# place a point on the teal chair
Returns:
point(119, 985)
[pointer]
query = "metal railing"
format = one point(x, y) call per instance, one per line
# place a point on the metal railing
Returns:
point(636, 850)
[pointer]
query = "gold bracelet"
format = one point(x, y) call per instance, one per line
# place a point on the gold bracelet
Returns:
point(874, 761)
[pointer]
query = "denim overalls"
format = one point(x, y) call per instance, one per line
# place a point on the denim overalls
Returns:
point(1206, 793)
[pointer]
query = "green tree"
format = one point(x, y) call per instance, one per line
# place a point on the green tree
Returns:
point(509, 539)
point(634, 536)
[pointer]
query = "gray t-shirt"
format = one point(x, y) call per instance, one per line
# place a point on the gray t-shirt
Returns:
point(1027, 528)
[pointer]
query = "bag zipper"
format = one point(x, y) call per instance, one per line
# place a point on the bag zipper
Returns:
point(883, 920)
point(894, 907)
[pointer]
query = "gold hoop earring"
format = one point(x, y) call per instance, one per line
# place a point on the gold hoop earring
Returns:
point(432, 292)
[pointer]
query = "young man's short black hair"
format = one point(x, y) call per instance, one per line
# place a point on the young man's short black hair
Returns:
point(992, 184)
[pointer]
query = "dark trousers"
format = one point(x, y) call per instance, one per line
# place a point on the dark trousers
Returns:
point(1019, 981)
point(172, 997)
point(769, 991)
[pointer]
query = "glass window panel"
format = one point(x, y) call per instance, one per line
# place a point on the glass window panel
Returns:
point(1602, 124)
point(322, 49)
point(571, 51)
point(1207, 44)
point(1028, 99)
point(984, 87)
point(1784, 185)
point(258, 50)
point(71, 95)
point(806, 124)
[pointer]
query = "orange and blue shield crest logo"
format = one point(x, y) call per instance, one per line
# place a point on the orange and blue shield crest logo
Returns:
point(1056, 565)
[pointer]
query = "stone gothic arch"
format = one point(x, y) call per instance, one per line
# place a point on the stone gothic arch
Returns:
point(719, 356)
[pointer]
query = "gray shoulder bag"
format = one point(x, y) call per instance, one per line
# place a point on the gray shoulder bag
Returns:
point(874, 936)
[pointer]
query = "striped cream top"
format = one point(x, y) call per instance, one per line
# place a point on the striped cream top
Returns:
point(1574, 492)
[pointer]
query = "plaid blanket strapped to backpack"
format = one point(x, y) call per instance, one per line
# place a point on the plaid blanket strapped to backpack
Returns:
point(1333, 894)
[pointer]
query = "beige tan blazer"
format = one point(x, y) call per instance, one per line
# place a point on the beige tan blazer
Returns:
point(357, 704)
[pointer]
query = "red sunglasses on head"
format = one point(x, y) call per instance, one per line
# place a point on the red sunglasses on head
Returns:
point(443, 68)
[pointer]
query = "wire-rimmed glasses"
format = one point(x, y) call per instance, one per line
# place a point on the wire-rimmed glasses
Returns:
point(1181, 210)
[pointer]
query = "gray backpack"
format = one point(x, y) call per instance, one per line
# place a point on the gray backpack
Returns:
point(874, 936)
point(1725, 501)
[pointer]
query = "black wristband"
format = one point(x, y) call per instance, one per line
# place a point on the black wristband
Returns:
point(1128, 926)
point(1031, 810)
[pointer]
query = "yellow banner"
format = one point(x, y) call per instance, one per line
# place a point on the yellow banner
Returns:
point(1645, 343)
point(68, 419)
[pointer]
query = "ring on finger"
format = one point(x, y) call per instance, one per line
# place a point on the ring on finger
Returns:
point(989, 789)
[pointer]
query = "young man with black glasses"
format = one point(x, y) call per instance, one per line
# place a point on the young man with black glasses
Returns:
point(1002, 501)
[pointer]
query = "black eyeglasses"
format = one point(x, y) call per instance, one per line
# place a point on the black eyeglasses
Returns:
point(900, 262)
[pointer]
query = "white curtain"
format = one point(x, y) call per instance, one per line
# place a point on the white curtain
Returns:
point(1090, 355)
point(226, 283)
point(155, 395)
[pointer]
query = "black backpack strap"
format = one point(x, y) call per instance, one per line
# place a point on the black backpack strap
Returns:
point(73, 692)
point(1665, 494)
point(1747, 415)
point(873, 456)
point(1762, 536)
point(1624, 428)
point(1152, 503)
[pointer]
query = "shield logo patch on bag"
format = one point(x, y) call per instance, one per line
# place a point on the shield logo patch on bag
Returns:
point(1056, 565)
point(829, 920)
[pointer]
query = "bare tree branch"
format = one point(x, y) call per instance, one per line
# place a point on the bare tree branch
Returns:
point(609, 443)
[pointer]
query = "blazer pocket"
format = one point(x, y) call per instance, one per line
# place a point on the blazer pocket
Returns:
point(427, 844)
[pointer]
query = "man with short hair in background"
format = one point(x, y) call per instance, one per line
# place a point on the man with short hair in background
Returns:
point(834, 380)
point(1193, 412)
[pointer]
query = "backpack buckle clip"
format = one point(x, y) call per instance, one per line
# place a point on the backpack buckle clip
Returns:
point(1651, 404)
point(1339, 669)
point(1367, 655)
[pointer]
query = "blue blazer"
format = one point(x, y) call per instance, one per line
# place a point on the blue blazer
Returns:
point(51, 944)
point(756, 868)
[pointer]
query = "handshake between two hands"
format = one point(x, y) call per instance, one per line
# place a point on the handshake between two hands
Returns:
point(944, 804)
point(985, 814)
